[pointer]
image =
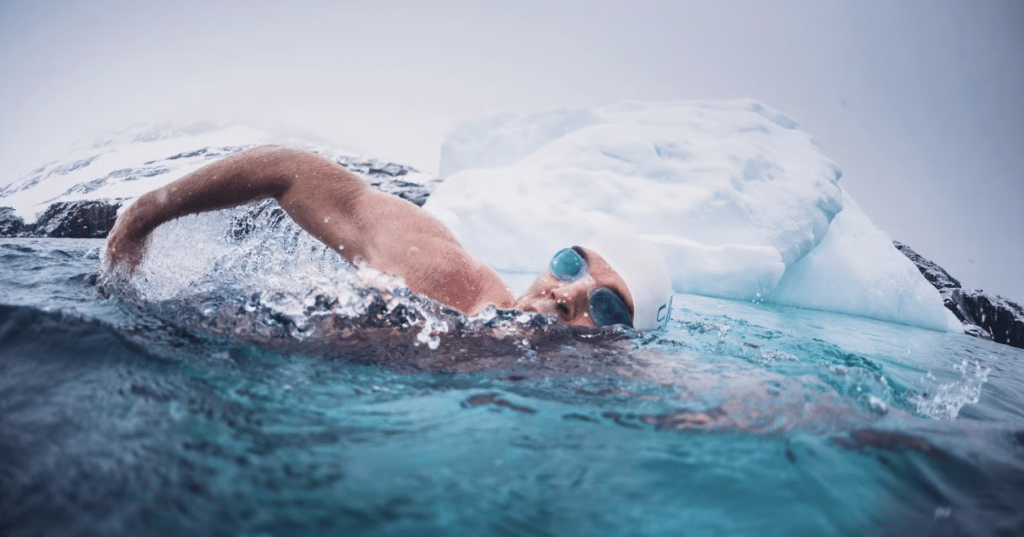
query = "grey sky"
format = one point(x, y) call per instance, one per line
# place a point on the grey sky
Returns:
point(922, 103)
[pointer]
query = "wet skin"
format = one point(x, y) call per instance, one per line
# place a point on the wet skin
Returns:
point(568, 301)
point(359, 222)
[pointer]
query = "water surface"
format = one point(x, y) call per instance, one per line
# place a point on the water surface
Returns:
point(298, 406)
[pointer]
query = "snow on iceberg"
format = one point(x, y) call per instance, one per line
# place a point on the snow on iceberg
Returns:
point(741, 203)
point(854, 270)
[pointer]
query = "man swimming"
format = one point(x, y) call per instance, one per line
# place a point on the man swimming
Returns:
point(624, 284)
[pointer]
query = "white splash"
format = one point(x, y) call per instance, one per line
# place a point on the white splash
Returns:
point(950, 397)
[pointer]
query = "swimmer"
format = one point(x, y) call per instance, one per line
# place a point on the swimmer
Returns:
point(609, 282)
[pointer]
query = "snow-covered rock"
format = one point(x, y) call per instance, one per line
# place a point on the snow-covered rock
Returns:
point(84, 219)
point(11, 225)
point(936, 275)
point(741, 203)
point(983, 315)
point(1001, 318)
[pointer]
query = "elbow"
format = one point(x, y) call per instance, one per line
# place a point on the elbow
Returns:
point(271, 156)
point(276, 168)
point(281, 152)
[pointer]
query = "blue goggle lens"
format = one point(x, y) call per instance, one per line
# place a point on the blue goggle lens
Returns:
point(606, 308)
point(567, 265)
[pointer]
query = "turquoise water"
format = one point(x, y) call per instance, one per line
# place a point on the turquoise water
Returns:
point(228, 411)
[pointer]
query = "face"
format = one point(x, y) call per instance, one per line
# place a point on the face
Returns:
point(568, 301)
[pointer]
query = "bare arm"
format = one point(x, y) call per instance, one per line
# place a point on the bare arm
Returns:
point(267, 171)
point(332, 204)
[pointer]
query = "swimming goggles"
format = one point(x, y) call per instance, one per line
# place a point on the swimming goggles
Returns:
point(605, 306)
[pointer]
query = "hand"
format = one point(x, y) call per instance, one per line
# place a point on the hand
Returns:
point(126, 244)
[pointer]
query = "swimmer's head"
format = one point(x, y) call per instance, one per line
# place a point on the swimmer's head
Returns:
point(612, 280)
point(644, 272)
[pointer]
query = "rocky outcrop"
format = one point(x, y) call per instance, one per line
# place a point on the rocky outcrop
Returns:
point(936, 275)
point(78, 219)
point(1001, 318)
point(90, 219)
point(983, 315)
point(11, 225)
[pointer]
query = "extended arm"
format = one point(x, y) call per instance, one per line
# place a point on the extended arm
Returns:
point(268, 171)
point(332, 204)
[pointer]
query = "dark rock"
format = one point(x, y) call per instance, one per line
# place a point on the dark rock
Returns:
point(976, 331)
point(11, 225)
point(1001, 318)
point(986, 316)
point(90, 219)
point(936, 275)
point(953, 298)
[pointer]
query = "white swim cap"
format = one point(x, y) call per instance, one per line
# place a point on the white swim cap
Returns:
point(646, 275)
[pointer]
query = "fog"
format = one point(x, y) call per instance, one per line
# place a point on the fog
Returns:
point(920, 102)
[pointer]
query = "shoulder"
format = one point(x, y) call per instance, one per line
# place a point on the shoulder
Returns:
point(437, 266)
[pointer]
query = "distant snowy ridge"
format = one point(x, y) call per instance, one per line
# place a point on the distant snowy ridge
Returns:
point(78, 196)
point(741, 203)
point(123, 166)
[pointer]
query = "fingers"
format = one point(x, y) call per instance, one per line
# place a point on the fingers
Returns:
point(127, 241)
point(123, 254)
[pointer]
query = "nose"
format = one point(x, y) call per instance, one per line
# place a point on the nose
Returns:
point(571, 297)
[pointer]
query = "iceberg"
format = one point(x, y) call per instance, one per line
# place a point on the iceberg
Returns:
point(741, 203)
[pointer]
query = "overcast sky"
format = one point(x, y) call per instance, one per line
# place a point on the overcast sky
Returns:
point(921, 103)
